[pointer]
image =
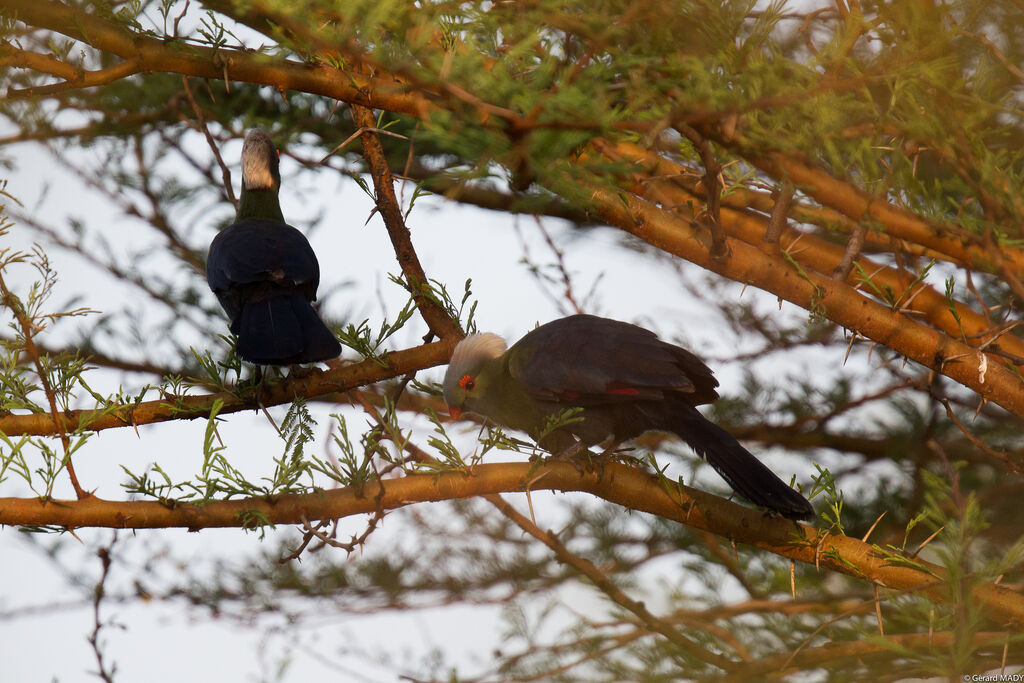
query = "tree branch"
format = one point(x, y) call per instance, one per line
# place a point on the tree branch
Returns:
point(815, 292)
point(214, 147)
point(663, 181)
point(392, 364)
point(783, 199)
point(24, 59)
point(857, 205)
point(175, 56)
point(626, 486)
point(29, 328)
point(606, 585)
point(82, 79)
point(895, 645)
point(439, 322)
point(712, 187)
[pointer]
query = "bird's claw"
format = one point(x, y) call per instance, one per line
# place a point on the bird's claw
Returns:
point(585, 460)
point(573, 454)
point(301, 372)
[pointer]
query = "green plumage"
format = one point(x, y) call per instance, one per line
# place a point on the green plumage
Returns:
point(622, 380)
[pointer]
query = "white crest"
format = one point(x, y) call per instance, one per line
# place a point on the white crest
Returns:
point(257, 153)
point(476, 348)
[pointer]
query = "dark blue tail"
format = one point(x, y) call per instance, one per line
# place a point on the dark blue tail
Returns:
point(747, 475)
point(283, 330)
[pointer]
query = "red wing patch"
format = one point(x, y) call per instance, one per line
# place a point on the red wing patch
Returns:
point(614, 388)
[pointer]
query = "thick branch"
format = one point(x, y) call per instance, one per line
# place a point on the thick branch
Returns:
point(191, 407)
point(578, 563)
point(23, 59)
point(813, 252)
point(813, 291)
point(858, 205)
point(173, 56)
point(746, 199)
point(630, 487)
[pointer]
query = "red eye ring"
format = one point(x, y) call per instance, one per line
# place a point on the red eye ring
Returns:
point(467, 382)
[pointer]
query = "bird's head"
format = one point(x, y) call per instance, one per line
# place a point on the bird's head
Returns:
point(260, 160)
point(467, 379)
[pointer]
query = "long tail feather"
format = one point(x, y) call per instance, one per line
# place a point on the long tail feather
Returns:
point(747, 475)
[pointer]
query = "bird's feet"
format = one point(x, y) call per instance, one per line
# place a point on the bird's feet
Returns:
point(585, 460)
point(578, 455)
point(301, 371)
point(252, 384)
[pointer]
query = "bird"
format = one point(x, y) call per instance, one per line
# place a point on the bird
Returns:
point(264, 272)
point(622, 380)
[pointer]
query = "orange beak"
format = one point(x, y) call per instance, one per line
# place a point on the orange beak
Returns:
point(455, 412)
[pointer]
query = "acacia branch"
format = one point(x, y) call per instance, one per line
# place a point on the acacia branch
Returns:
point(82, 79)
point(29, 328)
point(24, 59)
point(580, 564)
point(626, 486)
point(666, 183)
point(910, 297)
point(437, 319)
point(953, 241)
point(392, 364)
point(836, 300)
point(175, 56)
point(894, 645)
point(747, 200)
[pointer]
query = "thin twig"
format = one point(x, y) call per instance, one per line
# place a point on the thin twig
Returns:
point(225, 173)
point(177, 19)
point(1015, 70)
point(599, 579)
point(84, 79)
point(98, 594)
point(560, 264)
point(712, 187)
point(783, 198)
point(360, 131)
point(978, 443)
point(853, 248)
point(28, 330)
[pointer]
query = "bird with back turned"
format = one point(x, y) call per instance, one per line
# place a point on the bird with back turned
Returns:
point(622, 380)
point(264, 272)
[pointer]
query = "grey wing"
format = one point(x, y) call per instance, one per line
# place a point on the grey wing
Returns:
point(587, 360)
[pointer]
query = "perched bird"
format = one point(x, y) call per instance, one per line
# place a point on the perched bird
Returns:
point(264, 272)
point(624, 380)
